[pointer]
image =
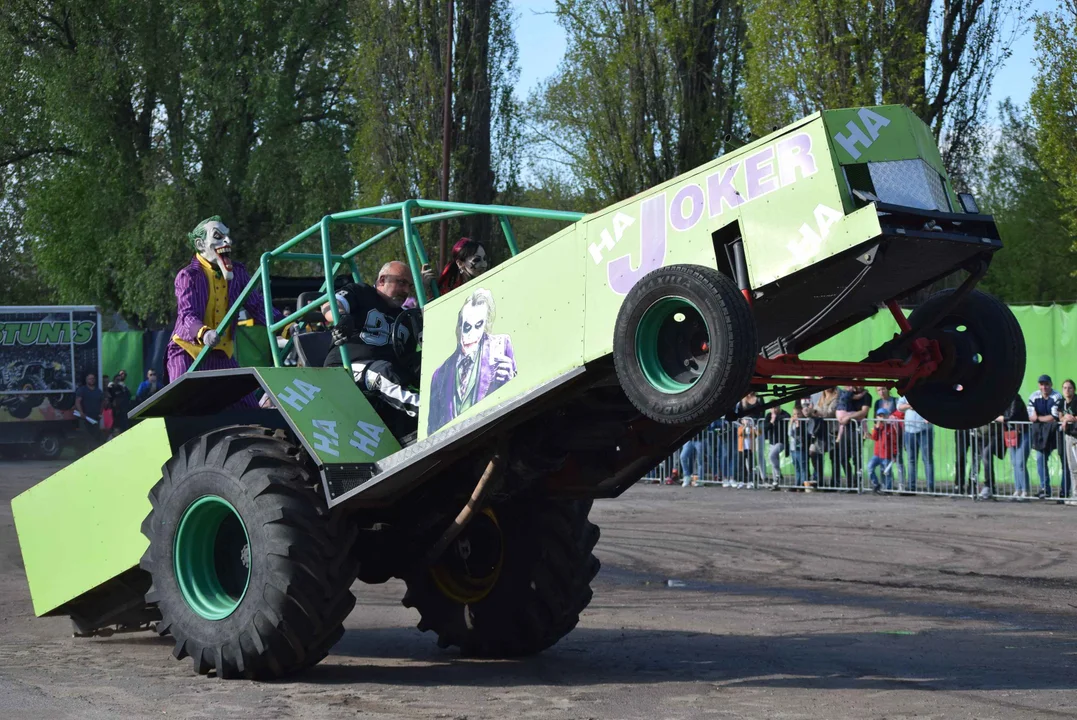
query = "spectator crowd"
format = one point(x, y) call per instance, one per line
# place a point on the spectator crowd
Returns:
point(846, 439)
point(101, 409)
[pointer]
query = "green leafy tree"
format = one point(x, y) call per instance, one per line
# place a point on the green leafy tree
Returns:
point(1053, 103)
point(126, 123)
point(647, 90)
point(398, 82)
point(939, 57)
point(1026, 199)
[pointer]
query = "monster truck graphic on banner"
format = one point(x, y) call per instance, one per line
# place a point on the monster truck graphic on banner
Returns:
point(44, 353)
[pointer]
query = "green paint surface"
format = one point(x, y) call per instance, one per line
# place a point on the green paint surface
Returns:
point(555, 307)
point(539, 303)
point(82, 526)
point(331, 413)
point(558, 301)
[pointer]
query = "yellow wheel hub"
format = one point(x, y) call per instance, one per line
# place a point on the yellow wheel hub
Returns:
point(470, 567)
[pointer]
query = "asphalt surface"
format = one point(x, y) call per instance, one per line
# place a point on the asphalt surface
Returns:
point(782, 605)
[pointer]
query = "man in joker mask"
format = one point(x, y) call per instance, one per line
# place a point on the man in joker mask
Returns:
point(205, 289)
point(482, 363)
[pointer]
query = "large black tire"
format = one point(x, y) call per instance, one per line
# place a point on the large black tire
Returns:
point(23, 409)
point(64, 401)
point(983, 363)
point(49, 445)
point(542, 585)
point(685, 345)
point(298, 556)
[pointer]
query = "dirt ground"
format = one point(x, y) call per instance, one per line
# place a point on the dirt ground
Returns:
point(783, 605)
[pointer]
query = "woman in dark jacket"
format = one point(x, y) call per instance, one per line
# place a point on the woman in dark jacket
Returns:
point(1014, 422)
point(775, 427)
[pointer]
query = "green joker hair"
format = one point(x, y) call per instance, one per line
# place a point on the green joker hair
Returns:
point(199, 232)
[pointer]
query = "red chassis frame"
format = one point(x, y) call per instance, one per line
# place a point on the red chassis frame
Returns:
point(902, 374)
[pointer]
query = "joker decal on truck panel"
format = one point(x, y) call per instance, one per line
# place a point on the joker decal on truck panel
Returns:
point(205, 289)
point(481, 363)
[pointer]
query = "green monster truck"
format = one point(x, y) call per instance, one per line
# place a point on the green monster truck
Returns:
point(240, 533)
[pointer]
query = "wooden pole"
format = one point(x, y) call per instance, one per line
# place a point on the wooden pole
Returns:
point(446, 137)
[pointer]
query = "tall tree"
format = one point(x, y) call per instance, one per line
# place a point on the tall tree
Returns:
point(939, 57)
point(1053, 102)
point(647, 89)
point(1027, 200)
point(397, 79)
point(127, 123)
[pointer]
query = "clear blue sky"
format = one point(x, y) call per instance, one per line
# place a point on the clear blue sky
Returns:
point(541, 41)
point(542, 44)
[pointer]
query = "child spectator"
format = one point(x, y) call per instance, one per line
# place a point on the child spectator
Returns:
point(885, 435)
point(889, 402)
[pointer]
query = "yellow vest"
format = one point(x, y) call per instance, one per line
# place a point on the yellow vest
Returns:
point(215, 311)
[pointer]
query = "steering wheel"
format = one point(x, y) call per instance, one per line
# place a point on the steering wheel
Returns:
point(407, 336)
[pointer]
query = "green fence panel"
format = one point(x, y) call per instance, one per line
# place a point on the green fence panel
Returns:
point(1050, 342)
point(252, 347)
point(1050, 338)
point(123, 351)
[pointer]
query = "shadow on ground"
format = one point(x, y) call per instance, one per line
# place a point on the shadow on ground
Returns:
point(941, 660)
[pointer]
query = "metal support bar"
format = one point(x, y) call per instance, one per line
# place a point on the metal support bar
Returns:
point(907, 337)
point(510, 236)
point(299, 313)
point(327, 252)
point(332, 263)
point(410, 243)
point(899, 317)
point(474, 208)
point(474, 503)
point(790, 369)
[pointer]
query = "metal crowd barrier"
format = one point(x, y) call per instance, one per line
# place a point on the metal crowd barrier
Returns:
point(823, 454)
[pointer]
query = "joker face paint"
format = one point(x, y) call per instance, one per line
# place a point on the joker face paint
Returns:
point(212, 242)
point(475, 265)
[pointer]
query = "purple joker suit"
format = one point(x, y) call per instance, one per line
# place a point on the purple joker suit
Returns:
point(443, 382)
point(192, 296)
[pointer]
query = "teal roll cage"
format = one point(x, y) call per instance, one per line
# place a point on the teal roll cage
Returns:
point(332, 263)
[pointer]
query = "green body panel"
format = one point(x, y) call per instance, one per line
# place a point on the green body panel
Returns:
point(539, 303)
point(548, 310)
point(786, 195)
point(82, 526)
point(329, 411)
point(906, 137)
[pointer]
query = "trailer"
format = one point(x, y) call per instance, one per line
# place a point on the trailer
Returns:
point(45, 351)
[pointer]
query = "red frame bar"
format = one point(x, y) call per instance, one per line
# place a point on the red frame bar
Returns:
point(899, 317)
point(791, 370)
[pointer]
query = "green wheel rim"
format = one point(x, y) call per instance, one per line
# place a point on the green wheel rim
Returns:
point(672, 345)
point(211, 556)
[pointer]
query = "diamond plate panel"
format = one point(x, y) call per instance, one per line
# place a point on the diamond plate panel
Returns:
point(910, 183)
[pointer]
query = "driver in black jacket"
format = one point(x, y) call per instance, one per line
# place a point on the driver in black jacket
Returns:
point(367, 321)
